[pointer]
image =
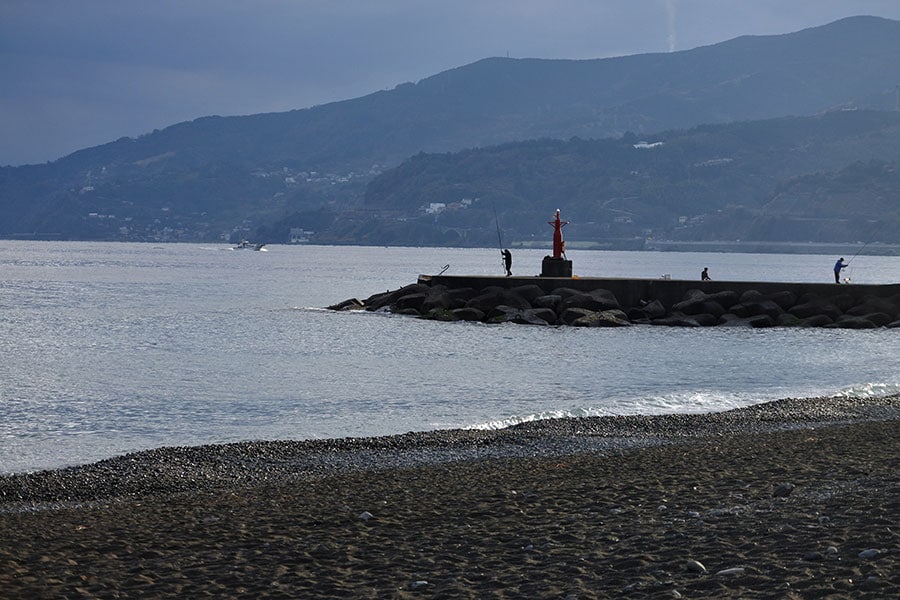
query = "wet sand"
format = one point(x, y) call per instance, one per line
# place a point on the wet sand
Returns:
point(793, 499)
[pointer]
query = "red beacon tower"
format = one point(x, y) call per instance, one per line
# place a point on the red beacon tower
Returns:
point(557, 265)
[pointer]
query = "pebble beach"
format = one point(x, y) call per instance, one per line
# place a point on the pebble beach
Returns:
point(798, 498)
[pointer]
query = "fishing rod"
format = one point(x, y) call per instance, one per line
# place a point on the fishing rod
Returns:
point(871, 239)
point(497, 221)
point(857, 253)
point(499, 237)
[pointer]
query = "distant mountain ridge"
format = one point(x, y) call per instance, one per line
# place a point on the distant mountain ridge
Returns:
point(233, 175)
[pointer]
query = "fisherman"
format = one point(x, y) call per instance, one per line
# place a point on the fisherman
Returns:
point(838, 266)
point(507, 261)
point(704, 276)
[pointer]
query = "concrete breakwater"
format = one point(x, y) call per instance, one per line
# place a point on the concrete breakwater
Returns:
point(618, 302)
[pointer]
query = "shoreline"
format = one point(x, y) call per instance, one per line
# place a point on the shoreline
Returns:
point(175, 469)
point(791, 499)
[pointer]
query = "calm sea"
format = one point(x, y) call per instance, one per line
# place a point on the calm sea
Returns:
point(110, 348)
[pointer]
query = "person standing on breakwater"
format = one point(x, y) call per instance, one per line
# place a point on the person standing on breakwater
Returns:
point(837, 269)
point(704, 276)
point(507, 261)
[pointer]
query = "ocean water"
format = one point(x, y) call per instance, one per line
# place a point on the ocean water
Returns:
point(111, 348)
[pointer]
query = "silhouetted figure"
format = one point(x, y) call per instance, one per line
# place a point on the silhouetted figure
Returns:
point(704, 276)
point(838, 266)
point(507, 261)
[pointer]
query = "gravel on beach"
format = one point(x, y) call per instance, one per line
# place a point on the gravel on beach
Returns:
point(798, 498)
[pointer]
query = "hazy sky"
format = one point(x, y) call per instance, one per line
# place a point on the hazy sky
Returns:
point(78, 73)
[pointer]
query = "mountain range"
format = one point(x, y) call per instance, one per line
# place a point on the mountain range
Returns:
point(523, 135)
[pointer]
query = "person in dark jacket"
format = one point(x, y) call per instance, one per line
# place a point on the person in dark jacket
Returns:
point(507, 261)
point(837, 269)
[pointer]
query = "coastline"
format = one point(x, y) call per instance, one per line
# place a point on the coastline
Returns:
point(586, 507)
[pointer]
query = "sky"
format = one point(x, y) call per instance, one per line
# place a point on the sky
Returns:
point(79, 73)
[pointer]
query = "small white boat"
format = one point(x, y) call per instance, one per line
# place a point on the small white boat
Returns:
point(245, 245)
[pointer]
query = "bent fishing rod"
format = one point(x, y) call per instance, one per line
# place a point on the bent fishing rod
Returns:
point(499, 237)
point(871, 239)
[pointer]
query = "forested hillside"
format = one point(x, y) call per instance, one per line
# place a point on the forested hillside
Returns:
point(834, 177)
point(260, 175)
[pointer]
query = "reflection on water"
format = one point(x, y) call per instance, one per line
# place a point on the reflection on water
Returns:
point(111, 348)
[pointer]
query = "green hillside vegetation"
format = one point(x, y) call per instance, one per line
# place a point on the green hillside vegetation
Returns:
point(832, 178)
point(260, 175)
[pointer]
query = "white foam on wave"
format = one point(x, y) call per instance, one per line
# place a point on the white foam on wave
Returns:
point(870, 390)
point(673, 403)
point(695, 402)
point(340, 313)
point(541, 416)
point(698, 401)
